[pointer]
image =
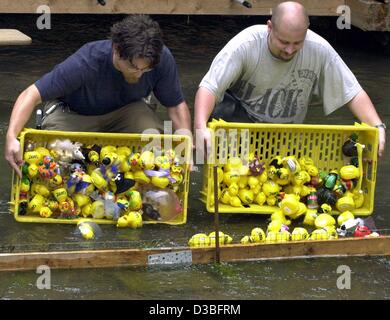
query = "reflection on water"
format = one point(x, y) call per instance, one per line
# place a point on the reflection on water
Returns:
point(194, 41)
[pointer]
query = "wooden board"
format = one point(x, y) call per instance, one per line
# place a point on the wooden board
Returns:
point(237, 252)
point(370, 15)
point(228, 7)
point(13, 37)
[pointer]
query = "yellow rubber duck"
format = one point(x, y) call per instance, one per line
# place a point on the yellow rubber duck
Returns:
point(299, 234)
point(199, 240)
point(134, 220)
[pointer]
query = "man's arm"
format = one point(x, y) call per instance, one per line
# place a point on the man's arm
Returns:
point(363, 109)
point(181, 118)
point(21, 113)
point(204, 106)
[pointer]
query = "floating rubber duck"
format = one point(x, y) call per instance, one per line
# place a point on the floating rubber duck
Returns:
point(199, 240)
point(257, 235)
point(299, 234)
point(134, 220)
point(223, 238)
point(135, 200)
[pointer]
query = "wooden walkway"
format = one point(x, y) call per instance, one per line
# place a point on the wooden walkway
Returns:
point(366, 14)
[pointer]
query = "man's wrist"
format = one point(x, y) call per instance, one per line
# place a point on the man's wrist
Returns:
point(381, 125)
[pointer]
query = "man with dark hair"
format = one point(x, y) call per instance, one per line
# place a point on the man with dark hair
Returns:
point(104, 87)
point(274, 71)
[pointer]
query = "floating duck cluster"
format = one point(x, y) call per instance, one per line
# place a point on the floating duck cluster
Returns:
point(204, 240)
point(64, 179)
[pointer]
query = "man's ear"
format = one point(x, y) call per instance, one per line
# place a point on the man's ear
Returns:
point(269, 25)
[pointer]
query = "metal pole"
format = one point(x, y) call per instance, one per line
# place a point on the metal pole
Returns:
point(216, 216)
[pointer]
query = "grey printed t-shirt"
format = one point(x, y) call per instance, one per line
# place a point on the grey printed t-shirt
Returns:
point(280, 91)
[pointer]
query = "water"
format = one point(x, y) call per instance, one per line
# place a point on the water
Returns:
point(194, 41)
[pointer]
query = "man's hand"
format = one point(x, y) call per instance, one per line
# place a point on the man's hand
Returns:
point(13, 154)
point(202, 144)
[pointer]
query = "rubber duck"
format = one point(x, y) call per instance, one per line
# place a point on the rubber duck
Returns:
point(223, 238)
point(290, 204)
point(299, 234)
point(97, 209)
point(349, 172)
point(199, 240)
point(60, 194)
point(246, 196)
point(260, 198)
point(135, 161)
point(301, 177)
point(358, 198)
point(134, 220)
point(160, 182)
point(45, 212)
point(292, 164)
point(40, 188)
point(346, 203)
point(106, 150)
point(98, 180)
point(225, 196)
point(324, 220)
point(122, 222)
point(81, 199)
point(36, 203)
point(235, 201)
point(270, 188)
point(233, 189)
point(135, 200)
point(147, 160)
point(257, 235)
point(275, 237)
point(279, 216)
point(25, 184)
point(310, 217)
point(86, 210)
point(344, 216)
point(319, 234)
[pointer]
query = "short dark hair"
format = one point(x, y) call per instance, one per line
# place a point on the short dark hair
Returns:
point(138, 36)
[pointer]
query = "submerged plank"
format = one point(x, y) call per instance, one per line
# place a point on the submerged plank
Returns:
point(230, 253)
point(13, 37)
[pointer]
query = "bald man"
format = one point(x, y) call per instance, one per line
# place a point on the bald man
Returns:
point(273, 72)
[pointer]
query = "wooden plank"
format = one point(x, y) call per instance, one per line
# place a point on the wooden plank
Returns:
point(237, 252)
point(370, 15)
point(13, 37)
point(218, 7)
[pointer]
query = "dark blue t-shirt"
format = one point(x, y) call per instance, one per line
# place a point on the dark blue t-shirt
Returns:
point(89, 83)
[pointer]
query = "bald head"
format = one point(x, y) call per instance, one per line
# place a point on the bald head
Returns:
point(291, 16)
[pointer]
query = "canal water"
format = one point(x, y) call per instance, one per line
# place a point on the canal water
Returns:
point(194, 42)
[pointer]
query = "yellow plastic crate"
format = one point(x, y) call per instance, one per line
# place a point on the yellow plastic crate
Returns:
point(322, 143)
point(181, 144)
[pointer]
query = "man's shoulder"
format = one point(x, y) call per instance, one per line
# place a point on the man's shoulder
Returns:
point(316, 41)
point(99, 45)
